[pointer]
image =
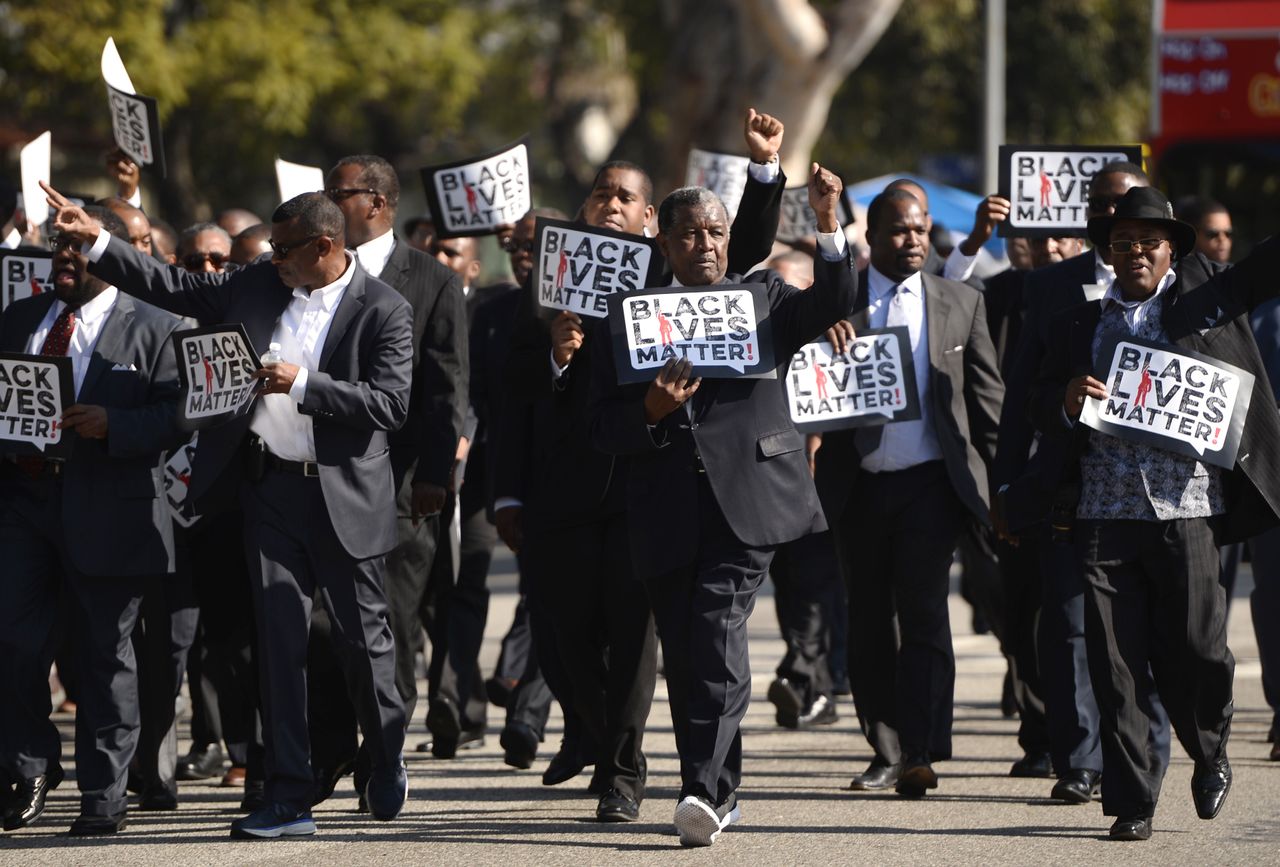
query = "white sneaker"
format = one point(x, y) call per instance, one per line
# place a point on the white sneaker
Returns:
point(698, 823)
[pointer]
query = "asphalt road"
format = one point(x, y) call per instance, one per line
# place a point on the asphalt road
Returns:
point(475, 811)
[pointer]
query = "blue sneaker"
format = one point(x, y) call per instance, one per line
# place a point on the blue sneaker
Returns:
point(273, 820)
point(387, 791)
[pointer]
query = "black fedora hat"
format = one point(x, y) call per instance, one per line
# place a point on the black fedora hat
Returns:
point(1148, 205)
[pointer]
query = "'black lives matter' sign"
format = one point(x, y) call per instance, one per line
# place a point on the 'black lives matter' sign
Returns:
point(177, 482)
point(475, 196)
point(215, 366)
point(135, 122)
point(34, 392)
point(24, 273)
point(723, 174)
point(872, 383)
point(723, 329)
point(1048, 187)
point(1171, 398)
point(578, 267)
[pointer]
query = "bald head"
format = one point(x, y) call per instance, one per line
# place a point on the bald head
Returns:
point(136, 222)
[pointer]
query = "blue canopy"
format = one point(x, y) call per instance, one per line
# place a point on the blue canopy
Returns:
point(952, 207)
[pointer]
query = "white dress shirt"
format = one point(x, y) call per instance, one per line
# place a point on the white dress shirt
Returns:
point(376, 252)
point(904, 444)
point(301, 332)
point(12, 240)
point(89, 320)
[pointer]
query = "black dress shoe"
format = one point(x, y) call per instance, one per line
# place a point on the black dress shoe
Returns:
point(327, 779)
point(1209, 787)
point(1039, 765)
point(201, 763)
point(565, 764)
point(1137, 828)
point(788, 700)
point(498, 690)
point(445, 725)
point(95, 826)
point(917, 777)
point(878, 776)
point(615, 806)
point(158, 799)
point(1076, 786)
point(255, 796)
point(28, 798)
point(519, 745)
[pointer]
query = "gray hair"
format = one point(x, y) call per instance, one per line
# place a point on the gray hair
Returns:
point(188, 237)
point(687, 198)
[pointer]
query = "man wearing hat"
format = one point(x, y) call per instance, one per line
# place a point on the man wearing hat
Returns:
point(1147, 522)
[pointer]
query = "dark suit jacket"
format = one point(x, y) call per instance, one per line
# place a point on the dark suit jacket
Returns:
point(113, 503)
point(966, 392)
point(753, 454)
point(548, 460)
point(424, 448)
point(360, 393)
point(1206, 310)
point(492, 324)
point(1003, 298)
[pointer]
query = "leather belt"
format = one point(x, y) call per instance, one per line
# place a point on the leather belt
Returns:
point(38, 466)
point(310, 469)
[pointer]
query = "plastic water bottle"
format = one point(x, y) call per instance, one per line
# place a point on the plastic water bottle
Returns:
point(272, 355)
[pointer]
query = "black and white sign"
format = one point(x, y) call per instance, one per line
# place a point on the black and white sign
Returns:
point(797, 221)
point(723, 329)
point(34, 391)
point(1171, 398)
point(873, 383)
point(135, 119)
point(177, 483)
point(215, 366)
point(1048, 187)
point(475, 196)
point(578, 267)
point(24, 273)
point(723, 174)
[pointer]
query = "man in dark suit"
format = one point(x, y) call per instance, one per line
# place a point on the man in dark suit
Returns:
point(94, 525)
point(717, 479)
point(1070, 708)
point(899, 496)
point(317, 487)
point(1146, 522)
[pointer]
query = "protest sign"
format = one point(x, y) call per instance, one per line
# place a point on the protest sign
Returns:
point(294, 179)
point(873, 383)
point(577, 267)
point(33, 163)
point(1048, 187)
point(1171, 398)
point(476, 195)
point(24, 273)
point(177, 482)
point(797, 221)
point(723, 174)
point(34, 391)
point(723, 329)
point(135, 119)
point(215, 366)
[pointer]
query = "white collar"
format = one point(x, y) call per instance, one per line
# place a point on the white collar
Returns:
point(94, 309)
point(12, 240)
point(330, 294)
point(1115, 295)
point(375, 252)
point(880, 285)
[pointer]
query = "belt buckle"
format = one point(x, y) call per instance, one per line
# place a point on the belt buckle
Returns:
point(311, 469)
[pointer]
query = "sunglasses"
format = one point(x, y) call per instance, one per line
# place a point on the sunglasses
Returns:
point(1099, 204)
point(1146, 245)
point(511, 245)
point(282, 251)
point(338, 194)
point(195, 261)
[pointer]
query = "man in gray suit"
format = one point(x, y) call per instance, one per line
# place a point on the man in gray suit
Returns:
point(899, 496)
point(316, 486)
point(94, 525)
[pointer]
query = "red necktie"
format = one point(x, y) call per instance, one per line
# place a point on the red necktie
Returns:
point(56, 343)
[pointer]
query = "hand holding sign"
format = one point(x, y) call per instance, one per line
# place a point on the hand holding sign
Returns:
point(841, 336)
point(70, 220)
point(992, 211)
point(1077, 390)
point(125, 172)
point(669, 391)
point(566, 337)
point(277, 377)
point(824, 197)
point(88, 421)
point(763, 133)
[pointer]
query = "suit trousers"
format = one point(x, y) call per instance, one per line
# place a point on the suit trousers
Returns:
point(604, 637)
point(1153, 598)
point(895, 541)
point(803, 572)
point(1020, 573)
point(701, 611)
point(294, 555)
point(1264, 604)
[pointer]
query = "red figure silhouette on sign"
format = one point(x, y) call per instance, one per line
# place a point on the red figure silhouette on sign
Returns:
point(1144, 388)
point(208, 376)
point(35, 287)
point(470, 190)
point(664, 329)
point(820, 378)
point(1045, 187)
point(560, 271)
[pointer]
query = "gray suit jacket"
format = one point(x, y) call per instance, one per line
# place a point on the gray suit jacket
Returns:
point(966, 392)
point(360, 392)
point(113, 502)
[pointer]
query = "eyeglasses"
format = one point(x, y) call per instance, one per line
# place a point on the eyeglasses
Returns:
point(1102, 204)
point(511, 245)
point(195, 261)
point(59, 243)
point(337, 194)
point(282, 251)
point(1212, 234)
point(1146, 245)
